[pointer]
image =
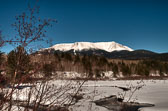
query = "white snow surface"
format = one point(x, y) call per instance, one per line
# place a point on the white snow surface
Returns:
point(78, 46)
point(154, 92)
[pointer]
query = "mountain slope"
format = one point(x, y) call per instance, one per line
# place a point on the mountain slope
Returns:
point(111, 50)
point(124, 54)
point(79, 46)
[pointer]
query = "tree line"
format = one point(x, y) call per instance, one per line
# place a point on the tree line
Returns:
point(88, 65)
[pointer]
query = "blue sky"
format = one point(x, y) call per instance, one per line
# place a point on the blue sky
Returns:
point(139, 24)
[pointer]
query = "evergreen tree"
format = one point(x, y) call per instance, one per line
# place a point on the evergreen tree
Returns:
point(87, 65)
point(68, 57)
point(97, 73)
point(115, 70)
point(102, 61)
point(84, 59)
point(143, 68)
point(18, 62)
point(77, 59)
point(57, 56)
point(1, 58)
point(125, 69)
point(166, 68)
point(48, 69)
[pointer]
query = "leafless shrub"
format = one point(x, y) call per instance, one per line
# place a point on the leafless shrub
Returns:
point(129, 91)
point(37, 96)
point(44, 96)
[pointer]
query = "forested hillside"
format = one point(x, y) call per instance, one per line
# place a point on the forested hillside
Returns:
point(88, 65)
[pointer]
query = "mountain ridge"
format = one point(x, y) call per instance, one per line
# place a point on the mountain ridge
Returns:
point(114, 54)
point(79, 46)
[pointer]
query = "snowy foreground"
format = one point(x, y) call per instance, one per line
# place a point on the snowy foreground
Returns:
point(153, 92)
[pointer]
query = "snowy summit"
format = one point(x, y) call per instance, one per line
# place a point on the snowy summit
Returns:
point(79, 46)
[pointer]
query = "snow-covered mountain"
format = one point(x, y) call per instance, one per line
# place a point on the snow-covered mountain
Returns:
point(79, 46)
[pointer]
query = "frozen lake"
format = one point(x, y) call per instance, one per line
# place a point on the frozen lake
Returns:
point(154, 92)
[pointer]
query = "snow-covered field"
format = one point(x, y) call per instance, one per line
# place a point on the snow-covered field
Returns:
point(154, 92)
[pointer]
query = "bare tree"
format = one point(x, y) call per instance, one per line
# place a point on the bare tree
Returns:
point(40, 95)
point(1, 40)
point(29, 28)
